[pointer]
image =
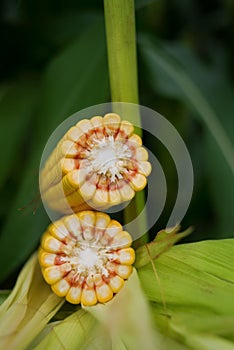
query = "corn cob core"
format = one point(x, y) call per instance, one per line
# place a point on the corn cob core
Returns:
point(86, 257)
point(98, 163)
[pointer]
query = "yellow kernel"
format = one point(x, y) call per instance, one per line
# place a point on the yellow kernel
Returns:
point(53, 274)
point(100, 198)
point(141, 154)
point(67, 165)
point(116, 283)
point(88, 189)
point(74, 179)
point(72, 223)
point(74, 134)
point(53, 245)
point(135, 140)
point(124, 271)
point(111, 122)
point(103, 290)
point(97, 121)
point(58, 230)
point(144, 168)
point(61, 288)
point(50, 243)
point(104, 293)
point(114, 196)
point(88, 297)
point(85, 125)
point(127, 127)
point(75, 198)
point(113, 228)
point(126, 191)
point(89, 282)
point(126, 256)
point(46, 259)
point(102, 221)
point(74, 295)
point(54, 193)
point(111, 118)
point(87, 218)
point(138, 182)
point(69, 148)
point(121, 240)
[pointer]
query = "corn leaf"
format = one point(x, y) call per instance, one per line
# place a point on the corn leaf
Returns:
point(27, 309)
point(191, 287)
point(207, 342)
point(198, 274)
point(162, 242)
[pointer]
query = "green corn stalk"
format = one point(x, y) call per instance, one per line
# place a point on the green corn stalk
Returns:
point(122, 60)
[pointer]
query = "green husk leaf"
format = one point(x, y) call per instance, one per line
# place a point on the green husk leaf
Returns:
point(193, 319)
point(48, 328)
point(98, 339)
point(28, 308)
point(191, 287)
point(71, 333)
point(127, 318)
point(198, 274)
point(164, 240)
point(180, 325)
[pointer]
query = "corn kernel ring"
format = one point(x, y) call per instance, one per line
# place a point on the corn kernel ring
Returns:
point(86, 257)
point(97, 164)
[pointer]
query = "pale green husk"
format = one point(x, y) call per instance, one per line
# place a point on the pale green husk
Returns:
point(70, 333)
point(28, 308)
point(127, 318)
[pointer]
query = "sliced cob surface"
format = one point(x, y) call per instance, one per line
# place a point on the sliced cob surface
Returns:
point(86, 257)
point(97, 164)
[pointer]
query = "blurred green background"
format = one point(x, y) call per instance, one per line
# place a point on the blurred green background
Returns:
point(53, 63)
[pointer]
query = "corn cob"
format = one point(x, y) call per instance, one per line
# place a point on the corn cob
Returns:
point(97, 164)
point(86, 257)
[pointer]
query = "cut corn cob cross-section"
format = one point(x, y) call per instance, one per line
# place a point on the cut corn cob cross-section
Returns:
point(86, 257)
point(97, 164)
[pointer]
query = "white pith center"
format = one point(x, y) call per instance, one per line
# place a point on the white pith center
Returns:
point(88, 257)
point(89, 260)
point(108, 156)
